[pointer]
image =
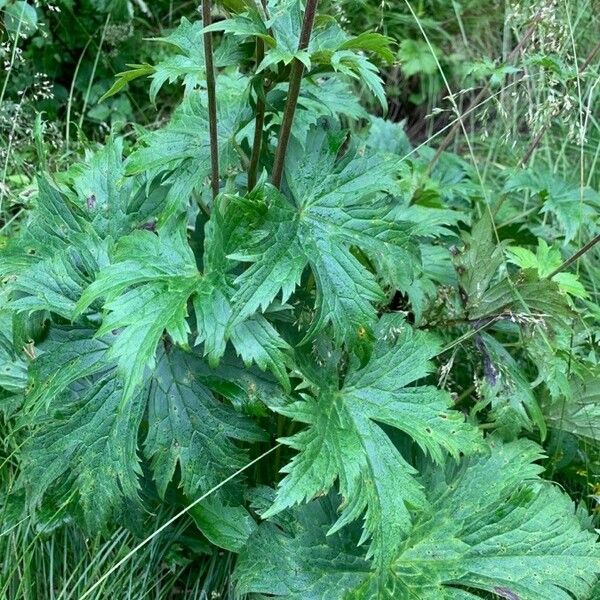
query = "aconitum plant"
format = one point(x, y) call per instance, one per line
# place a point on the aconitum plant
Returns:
point(253, 317)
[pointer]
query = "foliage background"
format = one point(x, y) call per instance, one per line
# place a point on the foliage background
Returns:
point(58, 67)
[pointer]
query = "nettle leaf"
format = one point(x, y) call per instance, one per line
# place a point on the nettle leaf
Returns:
point(179, 153)
point(519, 539)
point(523, 298)
point(344, 440)
point(335, 204)
point(478, 262)
point(189, 427)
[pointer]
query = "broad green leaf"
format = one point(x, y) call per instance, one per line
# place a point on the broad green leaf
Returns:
point(253, 337)
point(387, 136)
point(103, 192)
point(188, 427)
point(520, 538)
point(329, 49)
point(302, 560)
point(344, 440)
point(20, 18)
point(225, 526)
point(86, 434)
point(13, 369)
point(417, 58)
point(524, 299)
point(54, 259)
point(335, 204)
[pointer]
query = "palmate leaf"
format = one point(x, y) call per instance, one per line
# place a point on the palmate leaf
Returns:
point(320, 98)
point(336, 204)
point(187, 426)
point(491, 526)
point(68, 236)
point(254, 338)
point(54, 259)
point(85, 432)
point(146, 290)
point(145, 293)
point(344, 440)
point(187, 63)
point(330, 48)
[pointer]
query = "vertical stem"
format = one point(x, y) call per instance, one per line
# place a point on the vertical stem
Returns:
point(293, 92)
point(212, 99)
point(259, 121)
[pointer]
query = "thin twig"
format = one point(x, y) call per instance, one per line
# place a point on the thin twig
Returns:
point(575, 256)
point(212, 99)
point(293, 93)
point(484, 90)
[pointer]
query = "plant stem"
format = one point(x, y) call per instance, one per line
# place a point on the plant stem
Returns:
point(293, 93)
point(212, 99)
point(259, 120)
point(575, 256)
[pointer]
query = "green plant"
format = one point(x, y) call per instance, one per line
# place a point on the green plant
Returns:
point(168, 327)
